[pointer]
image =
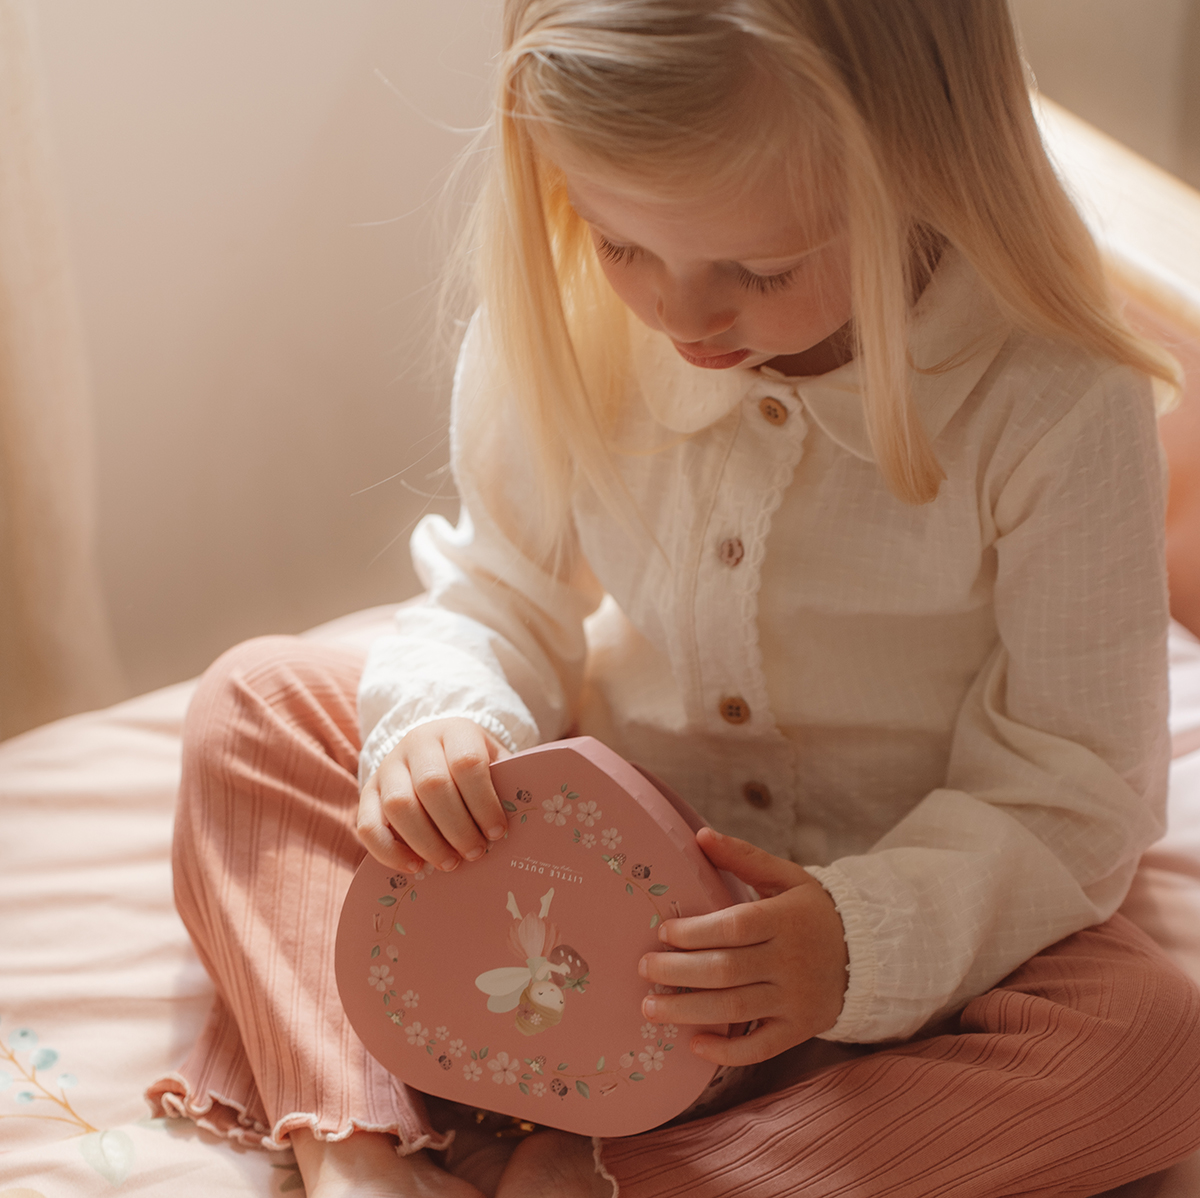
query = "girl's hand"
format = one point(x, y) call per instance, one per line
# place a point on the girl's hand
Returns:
point(781, 960)
point(432, 799)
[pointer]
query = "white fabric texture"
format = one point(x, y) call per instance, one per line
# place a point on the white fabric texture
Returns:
point(954, 715)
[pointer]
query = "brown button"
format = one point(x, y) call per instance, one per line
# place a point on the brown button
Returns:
point(774, 410)
point(734, 710)
point(757, 795)
point(732, 551)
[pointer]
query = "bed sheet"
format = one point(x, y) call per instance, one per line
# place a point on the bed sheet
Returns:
point(100, 991)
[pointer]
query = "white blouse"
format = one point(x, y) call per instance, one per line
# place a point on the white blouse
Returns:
point(953, 715)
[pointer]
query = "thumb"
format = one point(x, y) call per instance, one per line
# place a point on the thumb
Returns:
point(768, 874)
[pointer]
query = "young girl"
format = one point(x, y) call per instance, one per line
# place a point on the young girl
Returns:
point(795, 376)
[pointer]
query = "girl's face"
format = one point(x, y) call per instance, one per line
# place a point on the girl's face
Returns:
point(732, 280)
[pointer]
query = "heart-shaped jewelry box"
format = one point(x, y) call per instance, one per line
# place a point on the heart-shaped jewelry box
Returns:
point(511, 983)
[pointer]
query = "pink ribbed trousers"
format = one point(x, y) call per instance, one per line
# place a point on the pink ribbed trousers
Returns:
point(1081, 1071)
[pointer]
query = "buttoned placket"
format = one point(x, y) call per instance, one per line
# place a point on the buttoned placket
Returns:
point(734, 704)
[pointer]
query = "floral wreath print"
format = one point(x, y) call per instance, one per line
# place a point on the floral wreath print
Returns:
point(538, 990)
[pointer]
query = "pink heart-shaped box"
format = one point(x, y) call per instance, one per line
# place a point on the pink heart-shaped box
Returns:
point(511, 983)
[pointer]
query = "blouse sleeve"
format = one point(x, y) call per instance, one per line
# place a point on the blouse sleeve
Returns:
point(497, 639)
point(1057, 774)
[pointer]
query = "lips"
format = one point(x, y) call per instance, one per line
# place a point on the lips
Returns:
point(712, 361)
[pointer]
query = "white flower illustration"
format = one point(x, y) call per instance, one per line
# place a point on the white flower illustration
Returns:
point(410, 1000)
point(588, 841)
point(417, 1034)
point(670, 1031)
point(587, 814)
point(380, 978)
point(649, 1031)
point(504, 1071)
point(539, 1089)
point(609, 838)
point(456, 1048)
point(393, 953)
point(557, 809)
point(442, 1033)
point(472, 1071)
point(652, 1058)
point(626, 1060)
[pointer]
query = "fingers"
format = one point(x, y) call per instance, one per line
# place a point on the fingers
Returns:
point(738, 1004)
point(764, 871)
point(710, 969)
point(376, 835)
point(769, 1040)
point(435, 794)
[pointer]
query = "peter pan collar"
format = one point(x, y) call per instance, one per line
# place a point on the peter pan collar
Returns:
point(956, 331)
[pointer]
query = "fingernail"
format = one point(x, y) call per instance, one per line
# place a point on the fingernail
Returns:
point(495, 833)
point(643, 968)
point(474, 854)
point(449, 864)
point(413, 866)
point(649, 1008)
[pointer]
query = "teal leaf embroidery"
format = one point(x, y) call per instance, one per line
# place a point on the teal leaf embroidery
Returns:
point(43, 1058)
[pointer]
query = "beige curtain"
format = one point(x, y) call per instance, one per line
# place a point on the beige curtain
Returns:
point(56, 649)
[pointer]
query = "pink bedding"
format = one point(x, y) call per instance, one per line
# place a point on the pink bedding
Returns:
point(100, 990)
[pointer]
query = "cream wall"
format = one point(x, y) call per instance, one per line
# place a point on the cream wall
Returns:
point(258, 340)
point(257, 343)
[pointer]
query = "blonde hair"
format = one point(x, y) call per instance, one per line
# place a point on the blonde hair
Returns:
point(914, 113)
point(546, 1017)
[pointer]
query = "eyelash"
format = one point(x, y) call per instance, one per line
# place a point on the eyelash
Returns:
point(763, 284)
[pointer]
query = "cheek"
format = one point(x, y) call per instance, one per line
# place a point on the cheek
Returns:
point(633, 289)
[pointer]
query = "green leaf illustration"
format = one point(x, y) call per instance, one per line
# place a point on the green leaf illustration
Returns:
point(413, 895)
point(482, 1053)
point(628, 887)
point(563, 788)
point(562, 1066)
point(508, 806)
point(659, 888)
point(572, 795)
point(388, 900)
point(474, 1055)
point(399, 929)
point(524, 818)
point(375, 952)
point(523, 1087)
point(637, 1077)
point(668, 1047)
point(655, 919)
point(582, 1088)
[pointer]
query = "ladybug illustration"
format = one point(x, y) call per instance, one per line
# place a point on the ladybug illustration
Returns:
point(397, 881)
point(559, 1087)
point(641, 871)
point(523, 796)
point(444, 1061)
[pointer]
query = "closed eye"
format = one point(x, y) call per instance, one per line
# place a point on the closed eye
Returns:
point(765, 284)
point(623, 254)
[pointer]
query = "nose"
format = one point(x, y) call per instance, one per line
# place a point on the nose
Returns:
point(687, 314)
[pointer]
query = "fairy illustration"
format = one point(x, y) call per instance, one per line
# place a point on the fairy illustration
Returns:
point(537, 991)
